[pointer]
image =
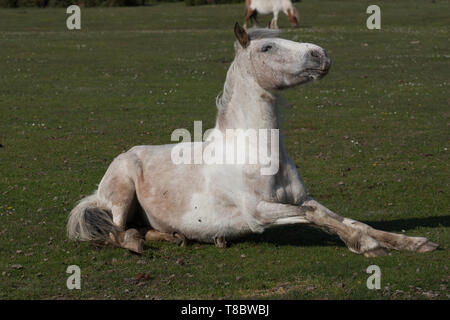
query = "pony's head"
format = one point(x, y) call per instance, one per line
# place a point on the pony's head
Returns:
point(293, 16)
point(276, 63)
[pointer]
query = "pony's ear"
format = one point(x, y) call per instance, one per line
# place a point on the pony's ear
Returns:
point(241, 35)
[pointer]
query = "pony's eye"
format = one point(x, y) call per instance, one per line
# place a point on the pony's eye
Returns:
point(266, 48)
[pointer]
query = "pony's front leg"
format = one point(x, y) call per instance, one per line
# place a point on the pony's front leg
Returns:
point(361, 238)
point(311, 212)
point(273, 213)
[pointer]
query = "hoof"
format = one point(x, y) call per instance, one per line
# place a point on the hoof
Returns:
point(427, 246)
point(377, 252)
point(136, 246)
point(220, 242)
point(180, 239)
point(133, 241)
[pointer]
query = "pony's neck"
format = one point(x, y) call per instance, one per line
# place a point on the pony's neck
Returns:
point(244, 104)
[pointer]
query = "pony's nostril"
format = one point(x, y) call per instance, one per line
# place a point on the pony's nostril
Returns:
point(314, 53)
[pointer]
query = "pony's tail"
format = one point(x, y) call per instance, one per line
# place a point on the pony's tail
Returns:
point(89, 221)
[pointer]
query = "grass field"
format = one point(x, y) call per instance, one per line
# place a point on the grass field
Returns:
point(371, 142)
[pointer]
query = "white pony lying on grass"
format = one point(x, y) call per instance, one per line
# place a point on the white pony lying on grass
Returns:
point(216, 202)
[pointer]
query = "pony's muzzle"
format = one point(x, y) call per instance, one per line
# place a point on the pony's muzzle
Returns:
point(320, 57)
point(326, 62)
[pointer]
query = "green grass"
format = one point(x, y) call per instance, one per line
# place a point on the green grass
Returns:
point(370, 140)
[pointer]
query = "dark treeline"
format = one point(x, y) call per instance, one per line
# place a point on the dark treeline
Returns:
point(81, 3)
point(105, 3)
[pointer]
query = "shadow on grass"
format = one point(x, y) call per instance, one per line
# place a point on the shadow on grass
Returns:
point(303, 235)
point(298, 235)
point(408, 224)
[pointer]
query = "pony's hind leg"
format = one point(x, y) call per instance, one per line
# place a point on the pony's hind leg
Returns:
point(130, 239)
point(117, 191)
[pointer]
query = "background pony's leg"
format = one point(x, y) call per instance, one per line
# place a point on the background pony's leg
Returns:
point(274, 22)
point(253, 18)
point(248, 15)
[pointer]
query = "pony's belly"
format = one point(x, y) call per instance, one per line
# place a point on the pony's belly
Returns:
point(206, 221)
point(191, 199)
point(262, 6)
point(203, 227)
point(200, 219)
